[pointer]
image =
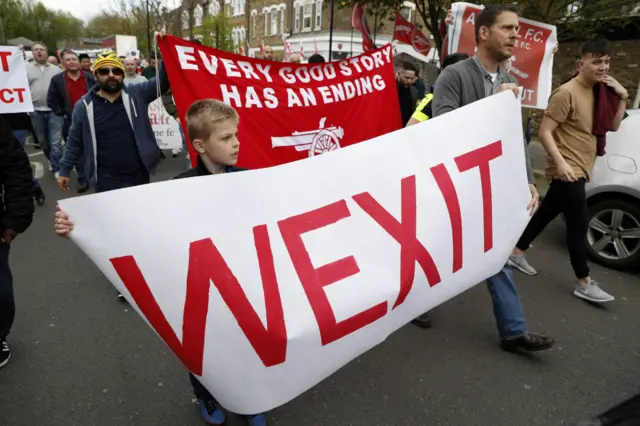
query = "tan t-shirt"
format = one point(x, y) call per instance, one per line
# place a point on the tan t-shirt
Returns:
point(572, 105)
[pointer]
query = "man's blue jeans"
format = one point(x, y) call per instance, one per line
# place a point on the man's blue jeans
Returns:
point(507, 307)
point(48, 129)
point(82, 177)
point(21, 135)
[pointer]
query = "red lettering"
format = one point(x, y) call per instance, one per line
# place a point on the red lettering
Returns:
point(315, 279)
point(206, 265)
point(20, 91)
point(4, 61)
point(404, 232)
point(7, 99)
point(480, 158)
point(448, 190)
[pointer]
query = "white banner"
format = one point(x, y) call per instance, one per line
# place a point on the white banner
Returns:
point(165, 128)
point(532, 60)
point(266, 282)
point(15, 95)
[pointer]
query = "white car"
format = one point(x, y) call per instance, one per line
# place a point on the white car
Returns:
point(613, 196)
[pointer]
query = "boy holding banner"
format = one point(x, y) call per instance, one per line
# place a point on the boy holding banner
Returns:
point(212, 127)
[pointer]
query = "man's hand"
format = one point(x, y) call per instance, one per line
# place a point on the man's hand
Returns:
point(449, 19)
point(617, 87)
point(63, 183)
point(566, 173)
point(555, 48)
point(509, 86)
point(62, 223)
point(535, 199)
point(7, 236)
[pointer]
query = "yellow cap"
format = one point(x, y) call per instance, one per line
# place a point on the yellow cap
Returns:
point(108, 58)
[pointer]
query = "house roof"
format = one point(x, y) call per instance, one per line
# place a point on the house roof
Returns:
point(20, 41)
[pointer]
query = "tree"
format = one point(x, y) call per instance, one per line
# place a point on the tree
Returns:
point(578, 18)
point(35, 22)
point(216, 32)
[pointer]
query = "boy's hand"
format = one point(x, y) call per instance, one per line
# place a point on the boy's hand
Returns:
point(617, 87)
point(449, 19)
point(509, 86)
point(535, 199)
point(62, 223)
point(63, 183)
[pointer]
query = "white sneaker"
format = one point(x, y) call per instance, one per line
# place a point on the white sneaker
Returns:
point(593, 293)
point(519, 261)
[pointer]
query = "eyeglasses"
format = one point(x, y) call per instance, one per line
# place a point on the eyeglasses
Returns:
point(106, 71)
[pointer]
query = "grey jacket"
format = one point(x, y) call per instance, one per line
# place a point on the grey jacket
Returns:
point(463, 83)
point(39, 81)
point(136, 79)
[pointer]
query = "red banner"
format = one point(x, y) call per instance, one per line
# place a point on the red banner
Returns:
point(406, 32)
point(532, 60)
point(288, 111)
point(359, 22)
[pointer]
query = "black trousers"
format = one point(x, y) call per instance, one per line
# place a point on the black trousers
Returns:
point(7, 302)
point(200, 391)
point(570, 199)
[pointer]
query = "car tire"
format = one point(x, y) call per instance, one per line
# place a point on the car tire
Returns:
point(630, 208)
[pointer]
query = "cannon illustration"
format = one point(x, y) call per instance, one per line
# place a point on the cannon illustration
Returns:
point(315, 141)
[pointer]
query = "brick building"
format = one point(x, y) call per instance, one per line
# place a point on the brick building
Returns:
point(305, 23)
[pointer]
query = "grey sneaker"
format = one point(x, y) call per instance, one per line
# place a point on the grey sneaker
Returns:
point(519, 261)
point(593, 293)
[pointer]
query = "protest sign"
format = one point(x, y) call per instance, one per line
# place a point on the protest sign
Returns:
point(165, 128)
point(405, 32)
point(288, 111)
point(15, 95)
point(319, 260)
point(532, 60)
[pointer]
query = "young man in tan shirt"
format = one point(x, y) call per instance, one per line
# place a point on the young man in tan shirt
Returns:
point(566, 133)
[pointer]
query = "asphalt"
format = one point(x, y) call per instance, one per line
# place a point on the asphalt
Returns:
point(81, 357)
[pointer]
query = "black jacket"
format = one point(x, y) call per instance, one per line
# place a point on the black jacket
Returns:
point(58, 96)
point(16, 187)
point(201, 170)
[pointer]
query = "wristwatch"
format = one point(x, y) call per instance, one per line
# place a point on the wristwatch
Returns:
point(625, 97)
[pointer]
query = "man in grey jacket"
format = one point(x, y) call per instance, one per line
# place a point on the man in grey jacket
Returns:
point(469, 81)
point(46, 125)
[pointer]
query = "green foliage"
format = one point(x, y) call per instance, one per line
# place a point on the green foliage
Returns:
point(216, 32)
point(34, 21)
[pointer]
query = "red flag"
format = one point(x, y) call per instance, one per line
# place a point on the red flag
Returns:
point(406, 32)
point(359, 22)
point(288, 111)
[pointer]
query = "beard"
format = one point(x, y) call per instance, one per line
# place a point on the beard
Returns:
point(111, 86)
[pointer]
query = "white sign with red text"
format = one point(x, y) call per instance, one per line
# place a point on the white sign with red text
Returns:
point(166, 129)
point(15, 95)
point(265, 282)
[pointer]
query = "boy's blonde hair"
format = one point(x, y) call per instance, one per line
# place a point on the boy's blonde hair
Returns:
point(204, 114)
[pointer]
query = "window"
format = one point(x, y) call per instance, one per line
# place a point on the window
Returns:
point(282, 21)
point(185, 20)
point(318, 14)
point(297, 25)
point(197, 16)
point(274, 22)
point(214, 7)
point(253, 26)
point(406, 13)
point(306, 22)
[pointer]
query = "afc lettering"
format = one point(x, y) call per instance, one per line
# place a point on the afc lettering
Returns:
point(207, 266)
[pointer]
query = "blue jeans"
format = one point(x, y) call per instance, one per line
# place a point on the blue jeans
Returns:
point(82, 177)
point(48, 129)
point(21, 135)
point(507, 307)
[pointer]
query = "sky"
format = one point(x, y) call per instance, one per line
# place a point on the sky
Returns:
point(87, 9)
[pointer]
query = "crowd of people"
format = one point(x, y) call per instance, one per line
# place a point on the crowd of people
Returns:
point(100, 111)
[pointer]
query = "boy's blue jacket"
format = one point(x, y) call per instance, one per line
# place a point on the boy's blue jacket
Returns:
point(82, 134)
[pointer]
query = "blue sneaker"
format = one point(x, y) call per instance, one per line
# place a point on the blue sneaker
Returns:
point(256, 420)
point(211, 412)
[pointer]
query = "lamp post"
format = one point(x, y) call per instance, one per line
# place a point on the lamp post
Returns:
point(3, 39)
point(148, 29)
point(331, 21)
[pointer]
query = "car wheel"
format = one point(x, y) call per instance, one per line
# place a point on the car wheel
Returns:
point(614, 233)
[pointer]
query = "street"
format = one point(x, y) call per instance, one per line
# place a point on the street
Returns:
point(82, 357)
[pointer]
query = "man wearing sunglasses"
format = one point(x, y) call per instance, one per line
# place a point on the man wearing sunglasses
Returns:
point(111, 126)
